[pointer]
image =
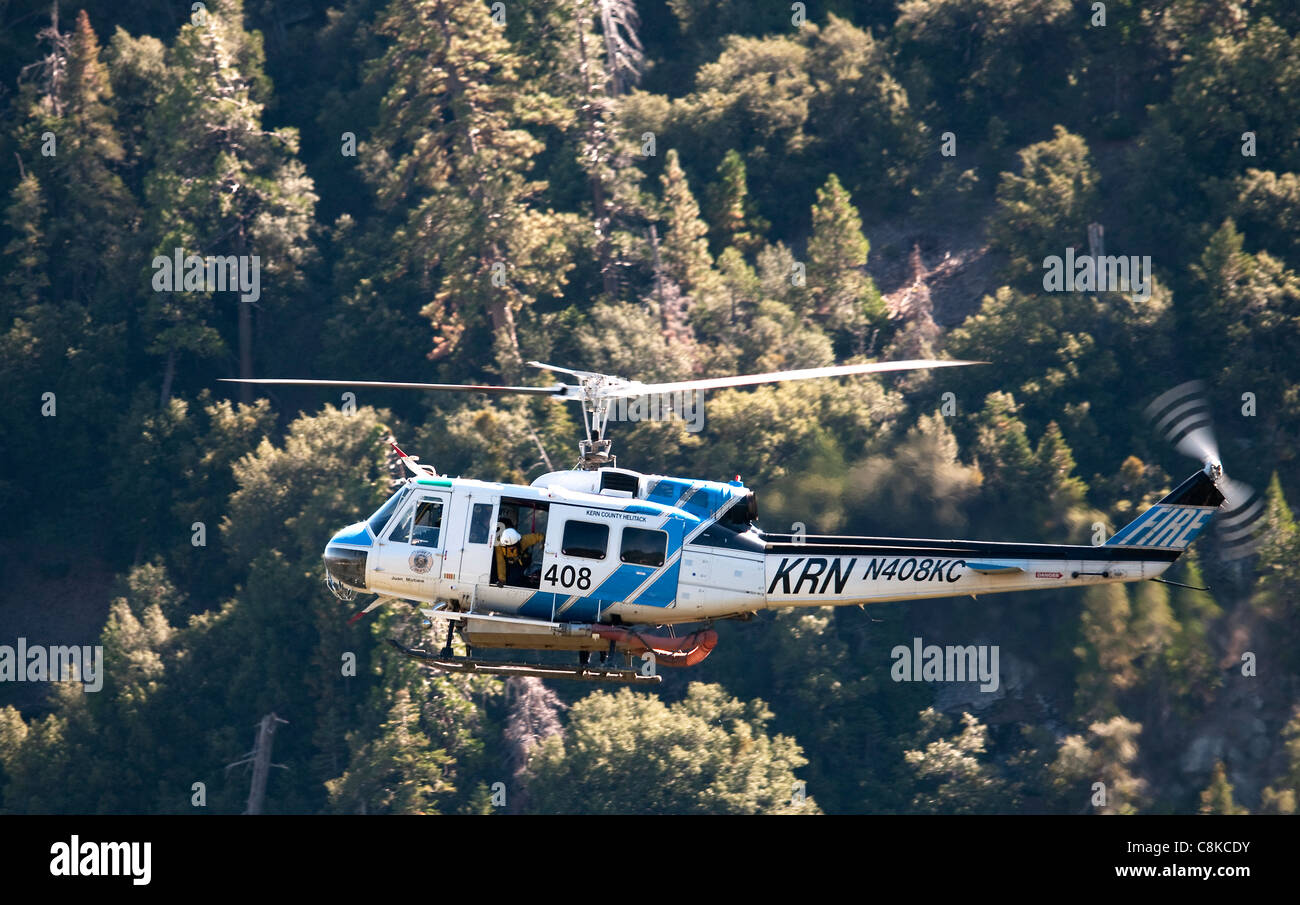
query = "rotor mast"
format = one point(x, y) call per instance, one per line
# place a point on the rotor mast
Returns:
point(594, 452)
point(594, 391)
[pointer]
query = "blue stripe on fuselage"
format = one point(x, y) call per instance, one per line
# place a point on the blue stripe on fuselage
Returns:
point(664, 589)
point(614, 589)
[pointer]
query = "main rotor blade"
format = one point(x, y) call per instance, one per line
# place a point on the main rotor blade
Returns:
point(559, 370)
point(713, 383)
point(558, 389)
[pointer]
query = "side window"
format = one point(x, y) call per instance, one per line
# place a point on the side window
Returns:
point(644, 547)
point(480, 523)
point(585, 539)
point(428, 521)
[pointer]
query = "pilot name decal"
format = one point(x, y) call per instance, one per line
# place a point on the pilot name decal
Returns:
point(822, 575)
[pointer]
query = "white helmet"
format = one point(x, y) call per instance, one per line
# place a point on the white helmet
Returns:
point(510, 537)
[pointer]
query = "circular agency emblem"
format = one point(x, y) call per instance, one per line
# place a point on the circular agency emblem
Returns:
point(421, 561)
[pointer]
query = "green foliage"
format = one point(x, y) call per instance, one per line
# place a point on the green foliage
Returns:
point(977, 58)
point(685, 250)
point(1105, 755)
point(398, 772)
point(1046, 206)
point(1217, 796)
point(1245, 311)
point(951, 776)
point(222, 183)
point(449, 158)
point(841, 293)
point(736, 223)
point(707, 754)
point(1047, 343)
point(1265, 205)
point(1229, 86)
point(862, 120)
point(500, 207)
point(1279, 798)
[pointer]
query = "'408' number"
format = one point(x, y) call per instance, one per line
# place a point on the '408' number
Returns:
point(569, 577)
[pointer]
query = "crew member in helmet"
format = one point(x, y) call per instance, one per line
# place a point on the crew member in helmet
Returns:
point(512, 552)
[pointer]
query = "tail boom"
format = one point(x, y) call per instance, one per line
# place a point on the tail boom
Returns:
point(820, 571)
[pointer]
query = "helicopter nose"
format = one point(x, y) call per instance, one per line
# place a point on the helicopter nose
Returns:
point(345, 556)
point(346, 565)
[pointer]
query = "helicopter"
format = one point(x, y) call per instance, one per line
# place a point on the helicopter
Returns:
point(599, 559)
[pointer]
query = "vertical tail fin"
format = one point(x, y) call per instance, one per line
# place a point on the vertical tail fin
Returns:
point(1174, 522)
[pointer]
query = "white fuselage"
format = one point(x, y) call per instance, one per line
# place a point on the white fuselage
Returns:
point(643, 549)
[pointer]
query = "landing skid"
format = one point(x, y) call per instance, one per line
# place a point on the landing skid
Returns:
point(586, 673)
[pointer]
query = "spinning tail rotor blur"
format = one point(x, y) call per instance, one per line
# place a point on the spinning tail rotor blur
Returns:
point(1183, 415)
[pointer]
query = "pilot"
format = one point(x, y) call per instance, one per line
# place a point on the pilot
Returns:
point(512, 551)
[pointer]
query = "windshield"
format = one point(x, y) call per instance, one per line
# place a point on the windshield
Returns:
point(380, 518)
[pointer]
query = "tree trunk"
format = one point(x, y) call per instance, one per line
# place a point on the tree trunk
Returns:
point(245, 350)
point(503, 327)
point(169, 372)
point(592, 146)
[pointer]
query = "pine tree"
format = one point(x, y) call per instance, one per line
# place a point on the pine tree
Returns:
point(1045, 207)
point(863, 122)
point(1005, 455)
point(1279, 798)
point(587, 54)
point(450, 160)
point(1190, 658)
point(731, 208)
point(222, 183)
point(71, 290)
point(1217, 796)
point(533, 716)
point(1062, 494)
point(841, 293)
point(64, 130)
point(397, 772)
point(1107, 651)
point(97, 215)
point(684, 249)
point(1280, 537)
point(606, 62)
point(1278, 587)
point(26, 280)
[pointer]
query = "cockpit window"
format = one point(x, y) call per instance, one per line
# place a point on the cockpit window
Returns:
point(381, 517)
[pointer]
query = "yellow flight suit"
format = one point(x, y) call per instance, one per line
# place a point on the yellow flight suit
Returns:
point(515, 553)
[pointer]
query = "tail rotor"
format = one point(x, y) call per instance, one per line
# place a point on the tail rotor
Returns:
point(1183, 415)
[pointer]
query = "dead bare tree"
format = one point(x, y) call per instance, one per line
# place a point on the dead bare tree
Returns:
point(260, 758)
